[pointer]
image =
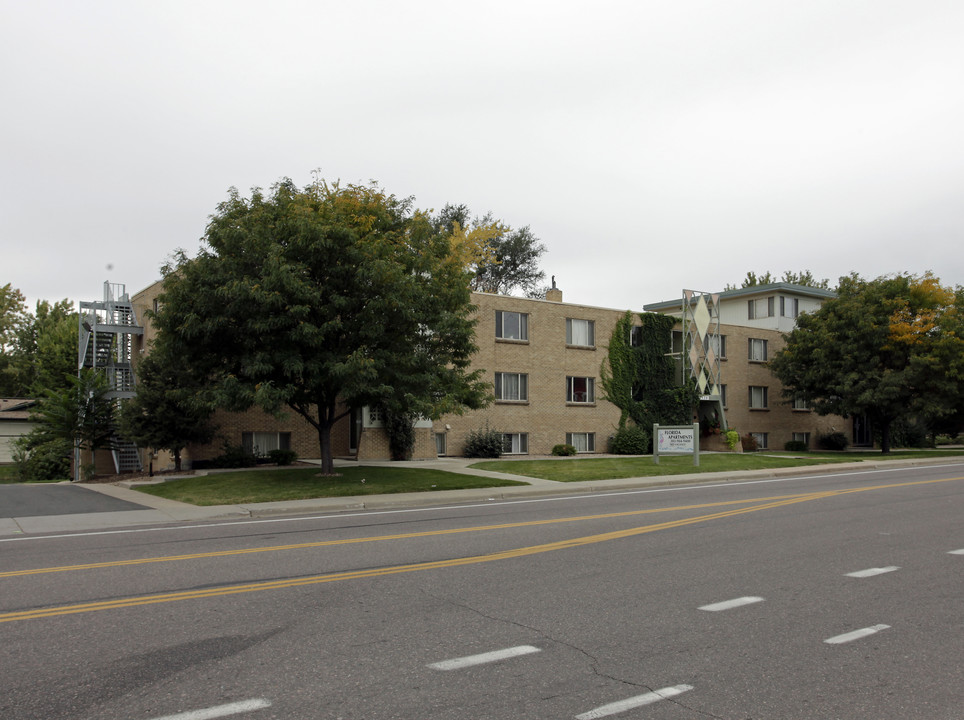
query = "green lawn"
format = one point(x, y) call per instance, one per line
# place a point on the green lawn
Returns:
point(578, 469)
point(8, 474)
point(252, 486)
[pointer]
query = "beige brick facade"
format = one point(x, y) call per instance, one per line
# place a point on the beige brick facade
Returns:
point(557, 375)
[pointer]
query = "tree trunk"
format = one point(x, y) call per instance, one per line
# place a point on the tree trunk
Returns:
point(177, 460)
point(885, 438)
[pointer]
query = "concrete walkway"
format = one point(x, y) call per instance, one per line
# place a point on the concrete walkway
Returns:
point(161, 510)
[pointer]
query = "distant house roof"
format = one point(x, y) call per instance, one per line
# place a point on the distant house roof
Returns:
point(16, 408)
point(788, 288)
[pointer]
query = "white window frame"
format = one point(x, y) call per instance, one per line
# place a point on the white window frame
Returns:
point(588, 332)
point(517, 443)
point(789, 307)
point(519, 382)
point(762, 440)
point(584, 442)
point(518, 327)
point(260, 443)
point(800, 404)
point(756, 309)
point(589, 393)
point(757, 350)
point(759, 399)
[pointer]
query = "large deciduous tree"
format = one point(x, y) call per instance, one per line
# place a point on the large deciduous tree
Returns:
point(888, 348)
point(322, 300)
point(503, 260)
point(39, 350)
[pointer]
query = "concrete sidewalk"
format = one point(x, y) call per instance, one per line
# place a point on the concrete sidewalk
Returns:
point(161, 510)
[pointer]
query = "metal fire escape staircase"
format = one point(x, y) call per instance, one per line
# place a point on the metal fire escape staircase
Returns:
point(107, 330)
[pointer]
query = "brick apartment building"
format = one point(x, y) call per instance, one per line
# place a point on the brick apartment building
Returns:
point(543, 359)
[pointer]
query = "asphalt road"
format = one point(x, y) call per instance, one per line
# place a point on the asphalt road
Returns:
point(835, 596)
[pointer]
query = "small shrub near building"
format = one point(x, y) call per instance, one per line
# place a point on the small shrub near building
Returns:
point(282, 457)
point(749, 443)
point(563, 450)
point(795, 446)
point(631, 440)
point(483, 444)
point(833, 441)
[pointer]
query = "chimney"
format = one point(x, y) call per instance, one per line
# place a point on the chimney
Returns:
point(554, 294)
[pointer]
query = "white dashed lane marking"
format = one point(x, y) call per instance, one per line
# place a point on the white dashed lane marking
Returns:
point(494, 656)
point(634, 702)
point(730, 604)
point(870, 572)
point(235, 708)
point(956, 552)
point(855, 635)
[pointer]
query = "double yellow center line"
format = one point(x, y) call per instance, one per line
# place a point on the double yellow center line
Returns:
point(151, 599)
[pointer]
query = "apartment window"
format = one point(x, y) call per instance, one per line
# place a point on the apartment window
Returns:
point(803, 437)
point(583, 442)
point(789, 307)
point(757, 351)
point(580, 390)
point(723, 395)
point(515, 443)
point(511, 325)
point(375, 418)
point(760, 308)
point(761, 440)
point(261, 443)
point(758, 397)
point(440, 444)
point(580, 332)
point(800, 404)
point(636, 336)
point(716, 343)
point(511, 387)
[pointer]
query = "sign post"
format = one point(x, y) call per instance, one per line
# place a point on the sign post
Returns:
point(676, 440)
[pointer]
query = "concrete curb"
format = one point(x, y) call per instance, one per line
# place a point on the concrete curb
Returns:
point(162, 510)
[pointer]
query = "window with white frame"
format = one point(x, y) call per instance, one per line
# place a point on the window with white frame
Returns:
point(758, 397)
point(580, 390)
point(511, 387)
point(515, 443)
point(803, 437)
point(761, 440)
point(800, 404)
point(676, 342)
point(757, 350)
point(759, 308)
point(723, 395)
point(584, 442)
point(789, 307)
point(716, 343)
point(580, 332)
point(262, 443)
point(511, 325)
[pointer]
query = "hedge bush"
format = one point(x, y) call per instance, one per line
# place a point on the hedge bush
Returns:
point(631, 440)
point(796, 446)
point(563, 450)
point(483, 444)
point(833, 441)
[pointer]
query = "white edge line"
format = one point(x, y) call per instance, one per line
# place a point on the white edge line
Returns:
point(956, 552)
point(200, 525)
point(730, 604)
point(855, 635)
point(634, 702)
point(494, 656)
point(220, 710)
point(871, 572)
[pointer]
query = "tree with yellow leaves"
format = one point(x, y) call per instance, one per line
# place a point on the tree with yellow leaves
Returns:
point(888, 349)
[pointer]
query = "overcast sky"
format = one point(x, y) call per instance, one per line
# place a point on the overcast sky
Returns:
point(652, 146)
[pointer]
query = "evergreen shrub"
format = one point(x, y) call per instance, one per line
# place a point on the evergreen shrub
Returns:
point(833, 441)
point(563, 450)
point(631, 440)
point(483, 444)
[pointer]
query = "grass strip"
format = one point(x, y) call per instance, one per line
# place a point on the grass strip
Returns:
point(271, 485)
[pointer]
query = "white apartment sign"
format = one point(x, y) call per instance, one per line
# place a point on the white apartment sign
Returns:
point(676, 440)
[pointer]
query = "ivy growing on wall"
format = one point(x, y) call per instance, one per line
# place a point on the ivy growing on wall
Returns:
point(641, 379)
